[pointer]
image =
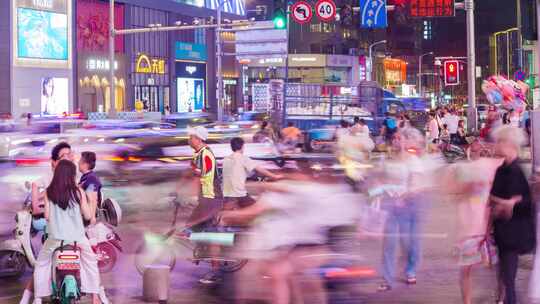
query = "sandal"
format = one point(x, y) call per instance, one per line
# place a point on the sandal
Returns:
point(384, 287)
point(411, 280)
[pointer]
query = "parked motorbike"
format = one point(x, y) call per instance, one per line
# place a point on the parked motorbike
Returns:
point(104, 240)
point(17, 253)
point(66, 276)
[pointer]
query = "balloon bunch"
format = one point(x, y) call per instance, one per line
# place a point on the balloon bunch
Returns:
point(508, 93)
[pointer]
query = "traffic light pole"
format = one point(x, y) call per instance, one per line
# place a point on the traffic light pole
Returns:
point(534, 115)
point(219, 64)
point(112, 86)
point(471, 67)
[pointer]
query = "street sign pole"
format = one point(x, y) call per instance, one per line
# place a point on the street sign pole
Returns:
point(284, 105)
point(535, 114)
point(112, 86)
point(471, 67)
point(219, 64)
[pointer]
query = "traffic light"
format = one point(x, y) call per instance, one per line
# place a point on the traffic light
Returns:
point(529, 24)
point(280, 14)
point(451, 72)
point(280, 19)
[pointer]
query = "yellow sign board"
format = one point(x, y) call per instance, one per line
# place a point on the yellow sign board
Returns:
point(147, 65)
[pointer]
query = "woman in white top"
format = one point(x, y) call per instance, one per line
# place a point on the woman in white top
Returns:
point(65, 207)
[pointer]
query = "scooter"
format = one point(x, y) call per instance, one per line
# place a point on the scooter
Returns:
point(66, 275)
point(104, 240)
point(17, 253)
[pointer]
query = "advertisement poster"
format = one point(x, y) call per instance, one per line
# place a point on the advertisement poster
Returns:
point(42, 34)
point(190, 92)
point(54, 96)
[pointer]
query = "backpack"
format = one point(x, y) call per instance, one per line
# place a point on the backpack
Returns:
point(390, 123)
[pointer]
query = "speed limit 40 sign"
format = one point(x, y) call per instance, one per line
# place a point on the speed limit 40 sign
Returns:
point(326, 10)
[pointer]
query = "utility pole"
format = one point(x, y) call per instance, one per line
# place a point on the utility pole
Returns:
point(112, 86)
point(219, 64)
point(471, 66)
point(535, 113)
point(420, 90)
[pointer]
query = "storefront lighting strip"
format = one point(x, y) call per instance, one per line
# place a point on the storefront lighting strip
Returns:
point(245, 27)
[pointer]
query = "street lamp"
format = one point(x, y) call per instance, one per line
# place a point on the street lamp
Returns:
point(420, 91)
point(371, 58)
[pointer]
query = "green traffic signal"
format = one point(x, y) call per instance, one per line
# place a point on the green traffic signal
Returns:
point(280, 20)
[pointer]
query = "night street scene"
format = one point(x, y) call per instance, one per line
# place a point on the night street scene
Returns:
point(269, 151)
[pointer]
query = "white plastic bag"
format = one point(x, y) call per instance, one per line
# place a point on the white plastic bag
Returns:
point(372, 219)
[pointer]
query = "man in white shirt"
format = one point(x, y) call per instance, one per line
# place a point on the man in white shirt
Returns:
point(433, 129)
point(236, 169)
point(452, 121)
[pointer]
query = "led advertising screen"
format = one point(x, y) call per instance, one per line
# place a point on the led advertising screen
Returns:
point(42, 34)
point(190, 92)
point(54, 96)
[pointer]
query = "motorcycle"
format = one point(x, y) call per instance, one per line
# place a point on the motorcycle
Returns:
point(18, 252)
point(104, 240)
point(66, 277)
point(163, 249)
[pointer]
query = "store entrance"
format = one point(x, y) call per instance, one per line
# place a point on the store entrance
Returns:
point(151, 97)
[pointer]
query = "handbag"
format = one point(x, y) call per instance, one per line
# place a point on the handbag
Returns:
point(489, 252)
point(372, 219)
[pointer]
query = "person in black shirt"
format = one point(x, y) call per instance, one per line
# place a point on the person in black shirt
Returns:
point(90, 182)
point(514, 212)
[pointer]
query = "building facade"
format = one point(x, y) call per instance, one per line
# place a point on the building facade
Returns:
point(56, 60)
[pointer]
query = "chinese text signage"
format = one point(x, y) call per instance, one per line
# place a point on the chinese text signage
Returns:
point(147, 65)
point(190, 51)
point(432, 8)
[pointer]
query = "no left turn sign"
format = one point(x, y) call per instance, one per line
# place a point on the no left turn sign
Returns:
point(301, 12)
point(326, 10)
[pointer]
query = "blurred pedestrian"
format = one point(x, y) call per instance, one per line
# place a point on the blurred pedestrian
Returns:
point(406, 171)
point(291, 134)
point(452, 121)
point(264, 133)
point(461, 136)
point(514, 211)
point(432, 129)
point(469, 184)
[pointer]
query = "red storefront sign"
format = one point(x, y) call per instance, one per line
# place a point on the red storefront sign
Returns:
point(93, 26)
point(432, 8)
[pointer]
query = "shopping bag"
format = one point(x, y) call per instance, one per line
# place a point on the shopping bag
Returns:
point(489, 252)
point(372, 219)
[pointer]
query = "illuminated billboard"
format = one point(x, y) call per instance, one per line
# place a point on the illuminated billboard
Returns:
point(42, 34)
point(41, 31)
point(54, 96)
